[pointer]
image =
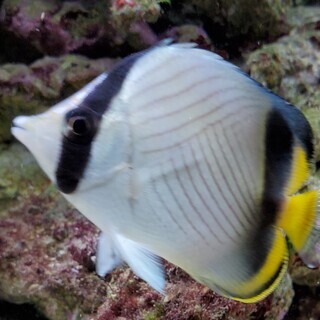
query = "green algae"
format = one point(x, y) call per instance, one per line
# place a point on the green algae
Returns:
point(20, 176)
point(157, 313)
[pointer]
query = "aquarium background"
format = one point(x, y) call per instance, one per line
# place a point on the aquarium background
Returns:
point(50, 49)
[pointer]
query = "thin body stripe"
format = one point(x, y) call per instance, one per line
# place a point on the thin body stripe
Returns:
point(187, 138)
point(240, 168)
point(185, 193)
point(212, 175)
point(185, 215)
point(184, 90)
point(156, 67)
point(212, 196)
point(167, 81)
point(205, 115)
point(163, 202)
point(234, 195)
point(226, 161)
point(244, 141)
point(251, 178)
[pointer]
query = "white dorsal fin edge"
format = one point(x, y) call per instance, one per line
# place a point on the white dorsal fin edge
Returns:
point(143, 262)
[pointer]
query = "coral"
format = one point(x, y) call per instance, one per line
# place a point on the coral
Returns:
point(190, 33)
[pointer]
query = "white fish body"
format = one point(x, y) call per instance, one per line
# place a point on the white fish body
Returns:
point(175, 168)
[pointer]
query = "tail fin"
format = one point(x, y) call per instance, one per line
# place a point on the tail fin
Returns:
point(300, 219)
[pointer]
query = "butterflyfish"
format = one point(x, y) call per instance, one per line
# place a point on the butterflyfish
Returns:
point(177, 154)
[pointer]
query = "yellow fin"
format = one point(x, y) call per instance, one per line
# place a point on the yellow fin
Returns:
point(300, 218)
point(270, 274)
point(299, 171)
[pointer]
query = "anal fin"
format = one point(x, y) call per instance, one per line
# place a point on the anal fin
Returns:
point(107, 255)
point(143, 262)
point(271, 271)
point(300, 219)
point(255, 269)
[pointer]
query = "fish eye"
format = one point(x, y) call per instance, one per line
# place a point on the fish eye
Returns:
point(79, 125)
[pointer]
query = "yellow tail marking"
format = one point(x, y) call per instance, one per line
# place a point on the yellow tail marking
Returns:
point(299, 171)
point(298, 217)
point(277, 257)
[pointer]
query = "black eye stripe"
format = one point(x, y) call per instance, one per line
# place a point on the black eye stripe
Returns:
point(76, 148)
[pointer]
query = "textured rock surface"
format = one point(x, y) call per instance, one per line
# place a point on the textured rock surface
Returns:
point(47, 258)
point(47, 249)
point(56, 27)
point(291, 65)
point(47, 254)
point(30, 89)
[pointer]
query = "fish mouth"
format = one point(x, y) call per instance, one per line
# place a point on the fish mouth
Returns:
point(19, 123)
point(15, 125)
point(19, 127)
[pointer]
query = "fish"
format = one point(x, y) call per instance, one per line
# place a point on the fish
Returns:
point(178, 155)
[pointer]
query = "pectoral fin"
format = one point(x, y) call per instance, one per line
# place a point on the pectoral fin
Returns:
point(143, 262)
point(107, 255)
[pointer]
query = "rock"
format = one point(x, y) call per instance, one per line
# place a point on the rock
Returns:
point(47, 249)
point(95, 28)
point(265, 19)
point(302, 275)
point(47, 255)
point(57, 27)
point(20, 177)
point(306, 304)
point(291, 66)
point(31, 89)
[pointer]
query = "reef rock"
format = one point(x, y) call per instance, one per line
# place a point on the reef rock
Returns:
point(47, 249)
point(47, 258)
point(291, 65)
point(30, 89)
